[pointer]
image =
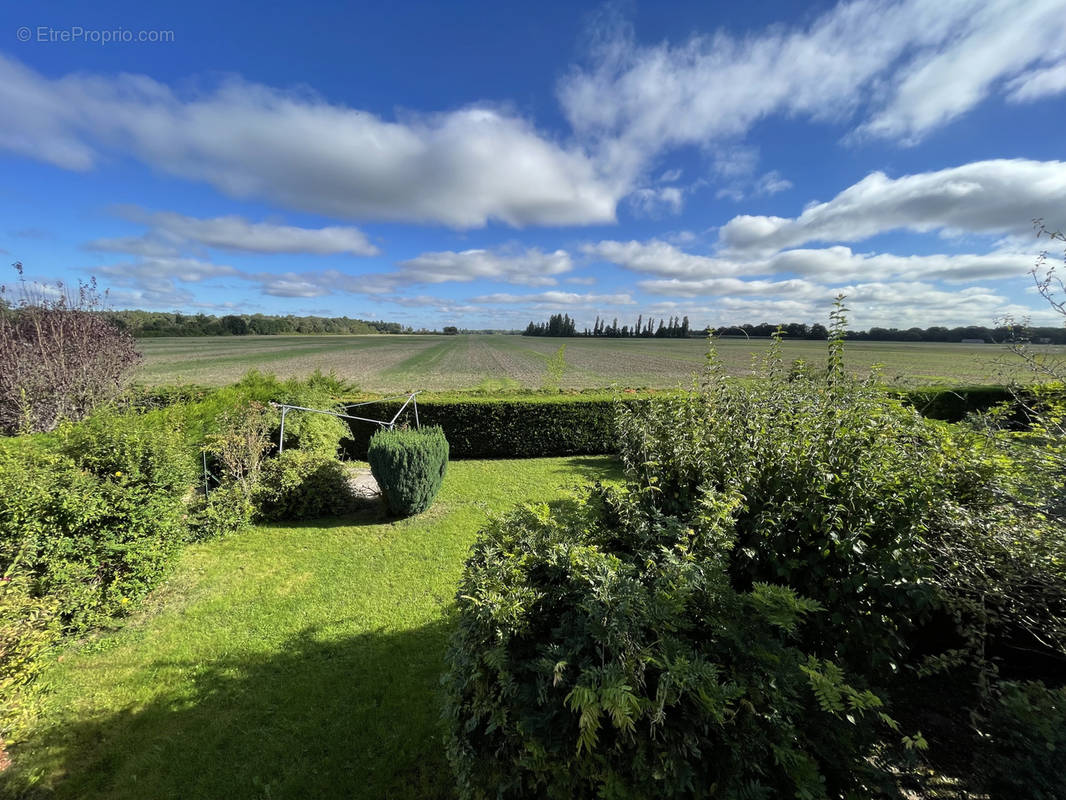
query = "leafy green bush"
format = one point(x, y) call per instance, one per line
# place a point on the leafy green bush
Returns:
point(90, 517)
point(145, 449)
point(553, 424)
point(302, 485)
point(227, 510)
point(409, 466)
point(94, 543)
point(909, 538)
point(602, 652)
point(312, 432)
point(1025, 750)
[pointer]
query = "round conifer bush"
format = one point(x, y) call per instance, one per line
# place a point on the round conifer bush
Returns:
point(409, 466)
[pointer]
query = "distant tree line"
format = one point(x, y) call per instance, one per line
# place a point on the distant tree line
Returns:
point(146, 324)
point(564, 325)
point(935, 333)
point(678, 327)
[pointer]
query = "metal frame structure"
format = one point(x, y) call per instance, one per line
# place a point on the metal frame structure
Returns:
point(410, 401)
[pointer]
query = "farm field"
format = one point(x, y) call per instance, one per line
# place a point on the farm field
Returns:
point(499, 362)
point(292, 660)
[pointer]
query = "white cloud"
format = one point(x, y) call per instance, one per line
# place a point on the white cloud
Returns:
point(660, 258)
point(530, 267)
point(1038, 83)
point(462, 168)
point(907, 67)
point(697, 274)
point(653, 201)
point(771, 183)
point(993, 40)
point(152, 282)
point(558, 299)
point(988, 197)
point(171, 231)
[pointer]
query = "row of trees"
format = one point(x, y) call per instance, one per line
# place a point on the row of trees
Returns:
point(143, 324)
point(935, 333)
point(564, 325)
point(678, 327)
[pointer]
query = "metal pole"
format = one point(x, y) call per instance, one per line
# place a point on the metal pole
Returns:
point(207, 491)
point(281, 434)
point(414, 403)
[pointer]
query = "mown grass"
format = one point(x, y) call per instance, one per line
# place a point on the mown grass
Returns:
point(286, 662)
point(398, 363)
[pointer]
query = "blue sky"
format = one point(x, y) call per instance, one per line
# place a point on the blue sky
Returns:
point(484, 164)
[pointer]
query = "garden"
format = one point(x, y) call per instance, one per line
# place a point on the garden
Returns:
point(794, 585)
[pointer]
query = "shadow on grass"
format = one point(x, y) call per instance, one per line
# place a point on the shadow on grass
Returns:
point(341, 717)
point(595, 468)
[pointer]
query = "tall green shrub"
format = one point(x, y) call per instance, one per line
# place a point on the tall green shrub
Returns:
point(864, 551)
point(409, 466)
point(601, 651)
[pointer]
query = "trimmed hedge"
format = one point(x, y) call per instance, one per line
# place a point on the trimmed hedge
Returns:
point(953, 404)
point(533, 426)
point(409, 467)
point(525, 427)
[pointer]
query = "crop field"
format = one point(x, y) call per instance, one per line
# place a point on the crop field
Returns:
point(499, 362)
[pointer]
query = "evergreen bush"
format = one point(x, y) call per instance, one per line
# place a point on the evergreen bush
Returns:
point(409, 466)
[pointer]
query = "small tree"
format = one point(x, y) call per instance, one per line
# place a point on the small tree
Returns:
point(60, 357)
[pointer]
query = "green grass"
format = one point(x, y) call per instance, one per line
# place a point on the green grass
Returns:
point(286, 662)
point(443, 363)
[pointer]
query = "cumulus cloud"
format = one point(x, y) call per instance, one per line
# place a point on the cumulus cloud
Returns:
point(461, 168)
point(660, 258)
point(558, 299)
point(530, 267)
point(988, 197)
point(153, 282)
point(169, 232)
point(653, 201)
point(693, 274)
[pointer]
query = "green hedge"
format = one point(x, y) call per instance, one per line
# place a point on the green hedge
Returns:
point(584, 424)
point(520, 427)
point(953, 404)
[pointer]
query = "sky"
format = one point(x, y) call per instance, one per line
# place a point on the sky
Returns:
point(484, 164)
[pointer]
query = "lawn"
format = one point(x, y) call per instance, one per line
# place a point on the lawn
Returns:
point(289, 661)
point(398, 363)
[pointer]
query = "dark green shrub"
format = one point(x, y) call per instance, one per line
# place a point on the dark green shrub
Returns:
point(529, 427)
point(910, 537)
point(409, 466)
point(301, 485)
point(1025, 749)
point(602, 652)
point(553, 424)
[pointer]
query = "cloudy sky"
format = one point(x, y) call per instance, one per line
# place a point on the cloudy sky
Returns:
point(485, 163)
